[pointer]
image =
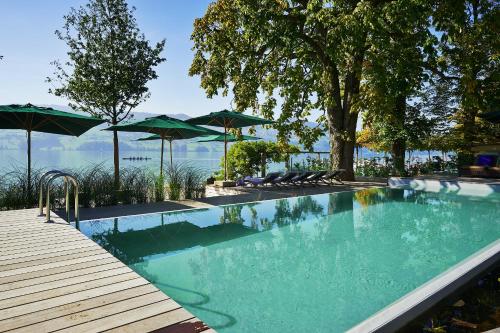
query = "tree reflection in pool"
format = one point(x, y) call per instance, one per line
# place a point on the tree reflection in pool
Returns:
point(319, 263)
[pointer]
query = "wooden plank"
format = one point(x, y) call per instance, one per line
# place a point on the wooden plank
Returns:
point(48, 229)
point(20, 237)
point(35, 268)
point(6, 247)
point(76, 307)
point(39, 296)
point(88, 262)
point(46, 259)
point(52, 277)
point(82, 317)
point(15, 284)
point(63, 283)
point(126, 317)
point(56, 246)
point(20, 310)
point(82, 244)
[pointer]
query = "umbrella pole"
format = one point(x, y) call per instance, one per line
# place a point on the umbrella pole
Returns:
point(161, 158)
point(225, 153)
point(171, 161)
point(29, 163)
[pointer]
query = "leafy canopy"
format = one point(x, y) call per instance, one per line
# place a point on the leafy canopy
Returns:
point(110, 61)
point(245, 157)
point(309, 55)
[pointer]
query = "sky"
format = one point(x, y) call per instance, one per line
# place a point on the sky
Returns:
point(28, 44)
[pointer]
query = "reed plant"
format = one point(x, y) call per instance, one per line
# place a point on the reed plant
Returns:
point(194, 182)
point(96, 188)
point(174, 177)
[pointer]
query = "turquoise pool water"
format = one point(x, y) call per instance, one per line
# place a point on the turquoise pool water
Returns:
point(319, 263)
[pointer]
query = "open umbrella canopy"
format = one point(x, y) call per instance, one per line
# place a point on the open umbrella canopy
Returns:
point(228, 138)
point(165, 127)
point(228, 119)
point(33, 118)
point(210, 138)
point(40, 119)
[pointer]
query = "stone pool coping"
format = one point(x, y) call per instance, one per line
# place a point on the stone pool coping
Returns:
point(460, 185)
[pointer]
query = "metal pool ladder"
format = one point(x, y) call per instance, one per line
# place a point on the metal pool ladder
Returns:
point(51, 176)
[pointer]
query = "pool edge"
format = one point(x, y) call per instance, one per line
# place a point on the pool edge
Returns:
point(399, 313)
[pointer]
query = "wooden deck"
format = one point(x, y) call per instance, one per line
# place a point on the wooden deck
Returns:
point(53, 278)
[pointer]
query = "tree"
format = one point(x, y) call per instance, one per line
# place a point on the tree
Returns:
point(245, 158)
point(110, 63)
point(310, 53)
point(395, 74)
point(468, 51)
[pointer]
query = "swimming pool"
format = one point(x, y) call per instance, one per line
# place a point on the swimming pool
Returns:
point(319, 263)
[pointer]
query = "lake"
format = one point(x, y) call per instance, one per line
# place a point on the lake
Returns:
point(61, 159)
point(79, 159)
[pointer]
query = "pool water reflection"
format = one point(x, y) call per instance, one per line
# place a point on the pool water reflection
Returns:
point(318, 263)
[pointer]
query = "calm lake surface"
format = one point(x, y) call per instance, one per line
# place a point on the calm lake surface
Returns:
point(80, 159)
point(61, 159)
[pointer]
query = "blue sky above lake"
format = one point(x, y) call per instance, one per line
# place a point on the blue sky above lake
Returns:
point(28, 44)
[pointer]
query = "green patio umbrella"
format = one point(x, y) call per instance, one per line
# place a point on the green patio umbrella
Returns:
point(229, 138)
point(228, 119)
point(33, 118)
point(166, 128)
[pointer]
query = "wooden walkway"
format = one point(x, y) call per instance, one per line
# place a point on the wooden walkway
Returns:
point(53, 278)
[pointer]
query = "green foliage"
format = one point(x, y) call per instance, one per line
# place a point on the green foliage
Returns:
point(245, 157)
point(373, 168)
point(174, 175)
point(96, 186)
point(194, 183)
point(468, 50)
point(160, 188)
point(110, 63)
point(313, 54)
point(312, 164)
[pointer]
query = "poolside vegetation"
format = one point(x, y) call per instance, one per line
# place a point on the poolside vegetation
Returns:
point(97, 188)
point(246, 158)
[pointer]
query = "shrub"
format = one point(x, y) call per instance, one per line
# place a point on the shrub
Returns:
point(245, 157)
point(372, 168)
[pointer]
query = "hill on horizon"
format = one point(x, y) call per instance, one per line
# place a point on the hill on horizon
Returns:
point(98, 140)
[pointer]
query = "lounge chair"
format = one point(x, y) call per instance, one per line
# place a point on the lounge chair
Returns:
point(300, 178)
point(333, 175)
point(316, 177)
point(285, 178)
point(263, 181)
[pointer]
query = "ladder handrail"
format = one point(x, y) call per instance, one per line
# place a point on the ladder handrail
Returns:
point(50, 173)
point(67, 178)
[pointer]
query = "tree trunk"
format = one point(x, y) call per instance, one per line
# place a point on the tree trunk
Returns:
point(116, 157)
point(161, 156)
point(29, 170)
point(398, 147)
point(465, 155)
point(342, 132)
